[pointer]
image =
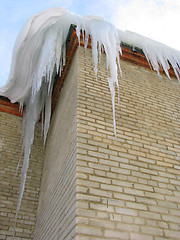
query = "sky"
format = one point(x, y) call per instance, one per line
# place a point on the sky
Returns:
point(156, 19)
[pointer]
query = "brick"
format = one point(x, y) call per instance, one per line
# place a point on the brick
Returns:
point(124, 196)
point(146, 160)
point(149, 171)
point(133, 205)
point(176, 193)
point(134, 191)
point(119, 159)
point(115, 234)
point(127, 156)
point(132, 179)
point(160, 179)
point(154, 195)
point(113, 202)
point(136, 153)
point(82, 204)
point(99, 192)
point(128, 227)
point(107, 151)
point(81, 175)
point(107, 162)
point(87, 183)
point(172, 199)
point(130, 167)
point(143, 187)
point(100, 173)
point(81, 189)
point(87, 230)
point(141, 175)
point(99, 166)
point(176, 182)
point(103, 215)
point(139, 236)
point(158, 209)
point(172, 234)
point(120, 171)
point(111, 188)
point(167, 204)
point(139, 221)
point(163, 191)
point(173, 226)
point(171, 218)
point(175, 212)
point(143, 181)
point(81, 220)
point(87, 158)
point(86, 213)
point(152, 231)
point(100, 179)
point(127, 219)
point(163, 224)
point(87, 147)
point(122, 183)
point(126, 211)
point(84, 169)
point(102, 224)
point(86, 197)
point(139, 164)
point(102, 207)
point(150, 215)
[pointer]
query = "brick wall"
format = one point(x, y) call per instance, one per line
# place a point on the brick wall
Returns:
point(127, 188)
point(57, 204)
point(95, 186)
point(10, 149)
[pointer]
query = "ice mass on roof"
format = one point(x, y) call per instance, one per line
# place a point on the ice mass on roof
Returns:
point(40, 52)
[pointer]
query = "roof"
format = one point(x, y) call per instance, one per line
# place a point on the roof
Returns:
point(129, 53)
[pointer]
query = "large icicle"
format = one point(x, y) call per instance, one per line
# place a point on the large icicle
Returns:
point(104, 34)
point(40, 49)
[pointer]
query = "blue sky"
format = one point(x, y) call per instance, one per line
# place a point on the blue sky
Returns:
point(157, 19)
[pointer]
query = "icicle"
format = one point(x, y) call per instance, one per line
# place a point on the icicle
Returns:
point(47, 116)
point(112, 89)
point(157, 54)
point(104, 35)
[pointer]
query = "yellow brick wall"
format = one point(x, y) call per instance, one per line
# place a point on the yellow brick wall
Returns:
point(57, 204)
point(127, 188)
point(94, 186)
point(10, 149)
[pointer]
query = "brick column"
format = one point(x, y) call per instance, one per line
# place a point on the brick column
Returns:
point(97, 187)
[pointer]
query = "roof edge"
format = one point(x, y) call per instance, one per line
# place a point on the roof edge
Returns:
point(129, 53)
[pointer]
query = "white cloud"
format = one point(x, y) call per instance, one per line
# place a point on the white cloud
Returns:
point(158, 20)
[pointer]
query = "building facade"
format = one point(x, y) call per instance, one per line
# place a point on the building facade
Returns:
point(86, 183)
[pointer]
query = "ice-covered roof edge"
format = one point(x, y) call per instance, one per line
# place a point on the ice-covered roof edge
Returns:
point(130, 53)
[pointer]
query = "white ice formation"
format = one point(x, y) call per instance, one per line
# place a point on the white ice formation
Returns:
point(40, 51)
